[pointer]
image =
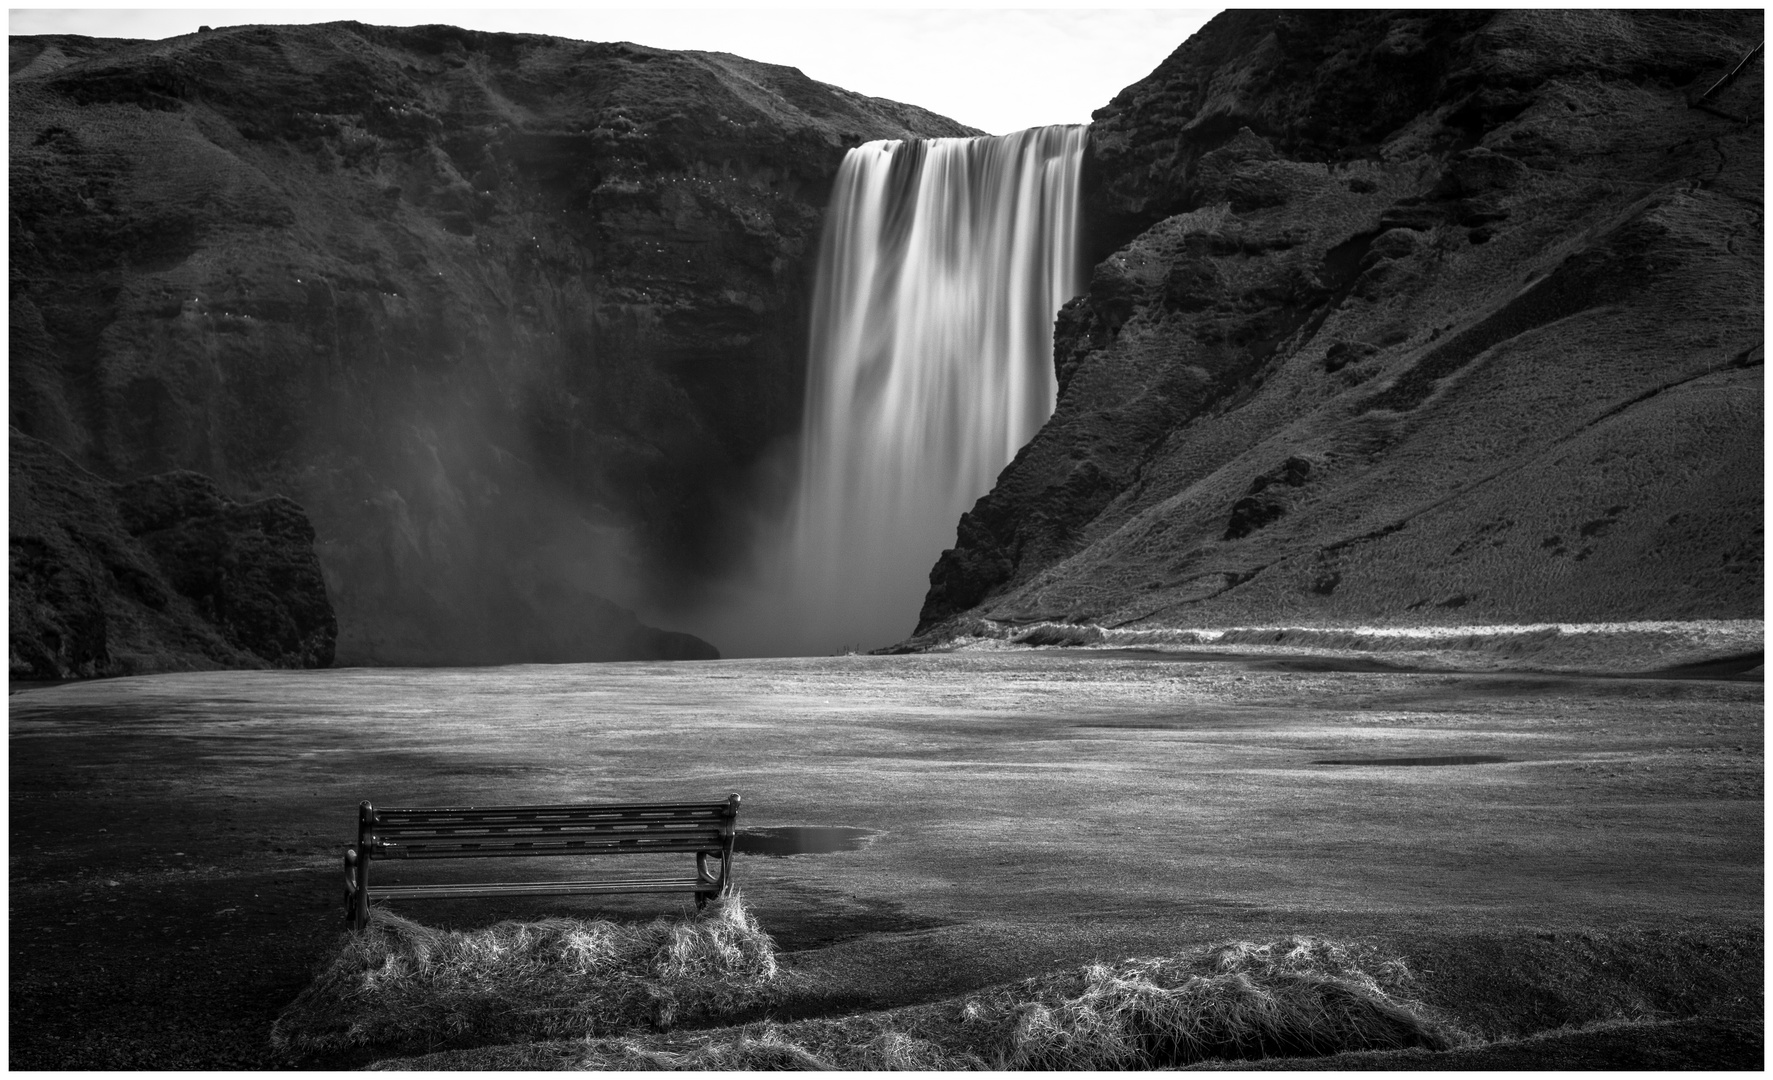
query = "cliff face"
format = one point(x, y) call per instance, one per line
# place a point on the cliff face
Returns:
point(1422, 317)
point(513, 317)
point(163, 573)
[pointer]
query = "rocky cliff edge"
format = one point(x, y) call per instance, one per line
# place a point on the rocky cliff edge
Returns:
point(516, 318)
point(1403, 319)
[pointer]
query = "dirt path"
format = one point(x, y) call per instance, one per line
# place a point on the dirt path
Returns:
point(175, 839)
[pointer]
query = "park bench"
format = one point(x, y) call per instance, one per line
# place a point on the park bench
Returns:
point(704, 830)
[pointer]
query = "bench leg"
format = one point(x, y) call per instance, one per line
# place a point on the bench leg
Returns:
point(717, 885)
point(356, 889)
point(366, 817)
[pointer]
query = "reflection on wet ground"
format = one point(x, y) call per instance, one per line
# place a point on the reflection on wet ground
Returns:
point(802, 840)
point(1445, 759)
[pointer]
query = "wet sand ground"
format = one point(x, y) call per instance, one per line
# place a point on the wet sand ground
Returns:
point(175, 839)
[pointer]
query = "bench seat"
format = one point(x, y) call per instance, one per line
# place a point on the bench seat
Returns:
point(539, 888)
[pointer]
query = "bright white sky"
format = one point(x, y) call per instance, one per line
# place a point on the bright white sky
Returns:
point(995, 68)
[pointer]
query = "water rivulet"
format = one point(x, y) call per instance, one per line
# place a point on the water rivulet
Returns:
point(944, 262)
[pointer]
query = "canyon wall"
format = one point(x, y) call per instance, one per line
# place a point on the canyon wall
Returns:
point(1402, 318)
point(519, 321)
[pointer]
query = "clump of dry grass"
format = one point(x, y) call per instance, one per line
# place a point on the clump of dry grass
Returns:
point(763, 1047)
point(1293, 997)
point(822, 1045)
point(409, 987)
point(896, 1051)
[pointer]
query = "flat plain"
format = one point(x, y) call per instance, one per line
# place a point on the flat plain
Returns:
point(175, 839)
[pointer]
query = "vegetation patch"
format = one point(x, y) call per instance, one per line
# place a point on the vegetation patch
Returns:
point(1288, 998)
point(1051, 634)
point(1294, 997)
point(410, 988)
point(1674, 647)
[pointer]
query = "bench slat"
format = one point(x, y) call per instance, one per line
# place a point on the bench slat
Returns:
point(492, 820)
point(572, 832)
point(537, 888)
point(507, 851)
point(615, 828)
point(586, 814)
point(557, 830)
point(602, 809)
point(385, 848)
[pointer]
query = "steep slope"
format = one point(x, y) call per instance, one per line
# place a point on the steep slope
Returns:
point(160, 574)
point(1405, 318)
point(513, 317)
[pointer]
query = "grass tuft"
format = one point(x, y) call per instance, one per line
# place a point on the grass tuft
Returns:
point(755, 1047)
point(895, 1051)
point(770, 1051)
point(403, 986)
point(1293, 997)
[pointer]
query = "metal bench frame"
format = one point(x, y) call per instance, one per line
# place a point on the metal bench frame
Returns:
point(705, 830)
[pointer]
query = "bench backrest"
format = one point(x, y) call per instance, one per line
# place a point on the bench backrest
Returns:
point(466, 832)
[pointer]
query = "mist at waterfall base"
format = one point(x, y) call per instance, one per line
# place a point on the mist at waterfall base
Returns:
point(942, 267)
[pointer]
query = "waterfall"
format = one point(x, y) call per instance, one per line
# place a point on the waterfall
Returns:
point(943, 264)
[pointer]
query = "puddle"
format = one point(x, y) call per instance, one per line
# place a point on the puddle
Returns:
point(801, 840)
point(1450, 759)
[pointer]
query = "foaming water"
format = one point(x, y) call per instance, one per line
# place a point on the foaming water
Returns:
point(943, 265)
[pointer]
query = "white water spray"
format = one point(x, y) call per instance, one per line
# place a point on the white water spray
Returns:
point(943, 264)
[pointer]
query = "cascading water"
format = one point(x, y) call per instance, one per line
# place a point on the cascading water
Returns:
point(943, 264)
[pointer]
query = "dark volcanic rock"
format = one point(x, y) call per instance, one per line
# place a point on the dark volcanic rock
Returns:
point(1487, 273)
point(1267, 497)
point(514, 317)
point(163, 573)
point(249, 569)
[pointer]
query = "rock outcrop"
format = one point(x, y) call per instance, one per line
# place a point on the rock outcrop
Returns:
point(163, 573)
point(513, 317)
point(1402, 318)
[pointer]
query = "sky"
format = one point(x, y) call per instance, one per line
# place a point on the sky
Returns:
point(995, 68)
